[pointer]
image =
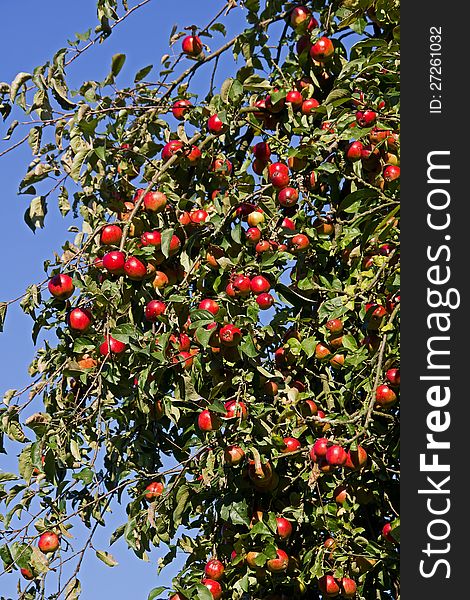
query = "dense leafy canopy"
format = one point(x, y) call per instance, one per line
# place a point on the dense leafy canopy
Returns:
point(172, 365)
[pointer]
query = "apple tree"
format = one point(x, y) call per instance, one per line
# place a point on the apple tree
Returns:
point(225, 314)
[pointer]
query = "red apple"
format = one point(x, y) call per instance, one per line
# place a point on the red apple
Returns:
point(112, 346)
point(114, 262)
point(299, 243)
point(300, 17)
point(154, 201)
point(354, 151)
point(242, 285)
point(385, 396)
point(284, 528)
point(393, 377)
point(27, 574)
point(153, 490)
point(253, 235)
point(328, 586)
point(295, 99)
point(387, 533)
point(259, 284)
point(198, 216)
point(154, 309)
point(235, 409)
point(214, 588)
point(234, 455)
point(151, 238)
point(391, 172)
point(322, 351)
point(171, 148)
point(192, 45)
point(288, 197)
point(336, 455)
point(291, 444)
point(322, 49)
point(309, 106)
point(48, 542)
point(135, 268)
point(209, 305)
point(208, 421)
point(264, 301)
point(215, 125)
point(366, 118)
point(278, 175)
point(221, 166)
point(356, 459)
point(61, 286)
point(262, 151)
point(348, 587)
point(180, 108)
point(110, 235)
point(214, 569)
point(278, 564)
point(80, 319)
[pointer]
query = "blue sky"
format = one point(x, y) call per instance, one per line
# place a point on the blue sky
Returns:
point(30, 33)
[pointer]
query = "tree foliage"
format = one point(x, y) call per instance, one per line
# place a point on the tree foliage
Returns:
point(124, 402)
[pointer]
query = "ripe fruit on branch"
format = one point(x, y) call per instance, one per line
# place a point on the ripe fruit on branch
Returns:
point(255, 218)
point(374, 315)
point(336, 455)
point(214, 569)
point(265, 301)
point(278, 175)
point(354, 151)
point(259, 284)
point(153, 490)
point(235, 409)
point(387, 533)
point(135, 268)
point(27, 573)
point(154, 309)
point(278, 564)
point(294, 98)
point(263, 246)
point(300, 17)
point(112, 346)
point(208, 421)
point(61, 286)
point(80, 319)
point(253, 235)
point(193, 155)
point(291, 444)
point(366, 118)
point(209, 305)
point(335, 326)
point(110, 235)
point(322, 49)
point(154, 201)
point(48, 542)
point(385, 396)
point(214, 588)
point(192, 45)
point(288, 197)
point(356, 459)
point(299, 243)
point(221, 166)
point(114, 262)
point(215, 125)
point(309, 106)
point(284, 528)
point(262, 151)
point(328, 586)
point(337, 361)
point(391, 173)
point(348, 587)
point(160, 280)
point(234, 455)
point(151, 238)
point(171, 148)
point(277, 106)
point(322, 351)
point(340, 494)
point(393, 377)
point(242, 285)
point(198, 216)
point(180, 108)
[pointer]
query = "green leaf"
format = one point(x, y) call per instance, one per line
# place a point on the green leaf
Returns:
point(117, 62)
point(73, 590)
point(77, 164)
point(3, 314)
point(142, 73)
point(235, 512)
point(34, 139)
point(156, 592)
point(35, 214)
point(4, 476)
point(107, 558)
point(166, 240)
point(19, 80)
